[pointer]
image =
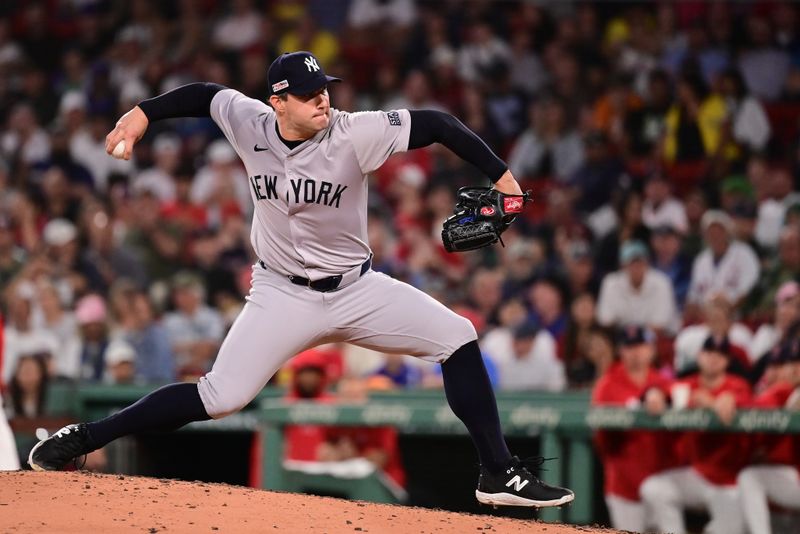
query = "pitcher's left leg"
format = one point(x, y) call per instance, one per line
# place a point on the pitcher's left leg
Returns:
point(384, 314)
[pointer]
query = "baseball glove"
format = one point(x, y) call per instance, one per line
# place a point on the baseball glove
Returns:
point(481, 215)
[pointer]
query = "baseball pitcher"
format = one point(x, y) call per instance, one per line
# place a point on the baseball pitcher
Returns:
point(312, 284)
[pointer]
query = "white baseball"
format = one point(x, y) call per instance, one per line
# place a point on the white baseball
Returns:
point(119, 150)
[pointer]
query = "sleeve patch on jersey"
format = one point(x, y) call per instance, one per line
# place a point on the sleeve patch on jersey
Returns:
point(394, 118)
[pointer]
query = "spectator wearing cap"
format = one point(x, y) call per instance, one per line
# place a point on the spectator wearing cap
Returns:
point(160, 178)
point(719, 322)
point(527, 359)
point(579, 268)
point(308, 382)
point(660, 208)
point(781, 268)
point(725, 265)
point(744, 215)
point(120, 363)
point(92, 317)
point(630, 457)
point(195, 330)
point(669, 259)
point(400, 371)
point(786, 313)
point(715, 458)
point(773, 477)
point(637, 293)
point(548, 148)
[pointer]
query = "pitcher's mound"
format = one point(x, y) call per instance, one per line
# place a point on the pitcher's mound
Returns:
point(89, 503)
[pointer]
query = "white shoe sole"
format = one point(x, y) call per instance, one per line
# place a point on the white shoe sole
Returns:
point(507, 499)
point(31, 463)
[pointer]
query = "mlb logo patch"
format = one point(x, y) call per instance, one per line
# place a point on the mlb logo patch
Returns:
point(283, 84)
point(487, 210)
point(394, 118)
point(512, 204)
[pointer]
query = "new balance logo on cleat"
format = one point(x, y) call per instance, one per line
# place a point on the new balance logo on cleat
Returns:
point(517, 486)
point(518, 483)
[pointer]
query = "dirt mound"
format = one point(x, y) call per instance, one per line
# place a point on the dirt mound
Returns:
point(84, 502)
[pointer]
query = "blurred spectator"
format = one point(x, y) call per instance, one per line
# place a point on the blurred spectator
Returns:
point(694, 123)
point(483, 51)
point(402, 373)
point(308, 382)
point(595, 181)
point(718, 322)
point(27, 390)
point(660, 208)
point(160, 178)
point(92, 318)
point(725, 266)
point(305, 35)
point(749, 123)
point(12, 257)
point(526, 358)
point(21, 337)
point(578, 365)
point(547, 305)
point(715, 458)
point(773, 208)
point(88, 148)
point(644, 126)
point(120, 363)
point(668, 258)
point(611, 110)
point(548, 148)
point(63, 325)
point(154, 360)
point(764, 66)
point(376, 13)
point(194, 329)
point(786, 313)
point(221, 186)
point(628, 458)
point(24, 140)
point(782, 268)
point(637, 294)
point(240, 29)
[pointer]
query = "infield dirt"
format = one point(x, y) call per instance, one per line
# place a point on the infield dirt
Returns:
point(78, 502)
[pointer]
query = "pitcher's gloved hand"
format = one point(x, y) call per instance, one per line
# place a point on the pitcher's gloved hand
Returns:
point(481, 215)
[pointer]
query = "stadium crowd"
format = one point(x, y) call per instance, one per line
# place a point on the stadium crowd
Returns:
point(660, 141)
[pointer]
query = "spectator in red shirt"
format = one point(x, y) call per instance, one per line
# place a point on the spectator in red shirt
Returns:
point(715, 458)
point(308, 383)
point(774, 477)
point(630, 457)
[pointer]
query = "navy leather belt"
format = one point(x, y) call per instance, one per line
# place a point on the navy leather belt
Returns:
point(323, 285)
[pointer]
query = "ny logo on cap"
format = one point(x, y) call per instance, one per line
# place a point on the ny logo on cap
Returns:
point(311, 63)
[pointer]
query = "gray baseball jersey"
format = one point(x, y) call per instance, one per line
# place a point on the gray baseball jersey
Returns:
point(310, 202)
point(310, 220)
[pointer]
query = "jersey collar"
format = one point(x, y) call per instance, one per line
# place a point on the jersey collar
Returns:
point(272, 135)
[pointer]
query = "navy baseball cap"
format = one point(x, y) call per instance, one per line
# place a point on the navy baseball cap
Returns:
point(717, 345)
point(635, 335)
point(298, 73)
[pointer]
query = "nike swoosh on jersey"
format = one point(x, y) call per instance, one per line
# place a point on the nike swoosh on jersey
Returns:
point(259, 149)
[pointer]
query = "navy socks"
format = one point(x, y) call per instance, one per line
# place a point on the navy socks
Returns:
point(164, 409)
point(469, 393)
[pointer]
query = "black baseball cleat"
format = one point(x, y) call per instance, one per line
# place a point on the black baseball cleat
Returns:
point(58, 450)
point(517, 486)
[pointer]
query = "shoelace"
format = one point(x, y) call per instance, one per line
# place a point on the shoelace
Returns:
point(533, 463)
